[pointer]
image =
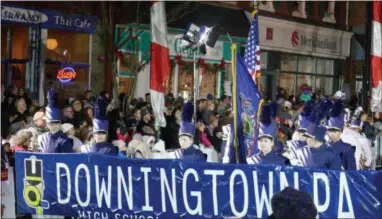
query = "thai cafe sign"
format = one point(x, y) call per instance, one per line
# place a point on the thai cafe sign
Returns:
point(48, 19)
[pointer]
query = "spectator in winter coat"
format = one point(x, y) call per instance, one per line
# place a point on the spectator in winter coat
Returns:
point(21, 141)
point(36, 127)
point(78, 116)
point(68, 115)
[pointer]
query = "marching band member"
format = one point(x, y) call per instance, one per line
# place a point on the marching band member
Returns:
point(316, 154)
point(304, 119)
point(100, 132)
point(266, 141)
point(334, 132)
point(352, 135)
point(188, 151)
point(54, 141)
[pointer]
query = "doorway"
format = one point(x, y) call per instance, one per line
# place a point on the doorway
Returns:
point(268, 83)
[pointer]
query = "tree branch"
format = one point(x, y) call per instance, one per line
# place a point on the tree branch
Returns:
point(180, 11)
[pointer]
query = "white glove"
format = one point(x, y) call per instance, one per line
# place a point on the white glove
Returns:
point(219, 135)
point(296, 162)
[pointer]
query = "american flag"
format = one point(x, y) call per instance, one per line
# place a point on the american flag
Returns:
point(252, 52)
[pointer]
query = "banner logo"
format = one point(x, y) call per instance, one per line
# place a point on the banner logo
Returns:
point(295, 39)
point(313, 41)
point(34, 185)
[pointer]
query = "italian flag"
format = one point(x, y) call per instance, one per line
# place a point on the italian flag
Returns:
point(376, 58)
point(159, 61)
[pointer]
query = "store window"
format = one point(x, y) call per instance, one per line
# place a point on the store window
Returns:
point(67, 49)
point(20, 41)
point(302, 71)
point(4, 42)
point(288, 63)
point(305, 81)
point(287, 81)
point(306, 64)
point(324, 85)
point(14, 63)
point(67, 46)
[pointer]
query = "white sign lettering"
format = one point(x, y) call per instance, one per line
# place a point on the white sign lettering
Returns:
point(287, 36)
point(120, 180)
point(22, 15)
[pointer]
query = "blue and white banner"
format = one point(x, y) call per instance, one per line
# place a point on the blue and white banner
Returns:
point(96, 186)
point(48, 19)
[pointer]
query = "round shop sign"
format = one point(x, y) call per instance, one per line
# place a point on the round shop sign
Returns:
point(66, 74)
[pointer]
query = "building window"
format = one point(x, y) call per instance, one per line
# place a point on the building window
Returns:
point(298, 71)
point(310, 8)
point(75, 44)
point(292, 6)
point(67, 49)
point(14, 63)
point(4, 42)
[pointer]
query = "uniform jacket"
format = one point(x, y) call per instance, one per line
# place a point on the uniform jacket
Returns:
point(362, 146)
point(100, 148)
point(321, 157)
point(55, 143)
point(270, 158)
point(192, 153)
point(346, 153)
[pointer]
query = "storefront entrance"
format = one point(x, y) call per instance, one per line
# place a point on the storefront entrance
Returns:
point(268, 83)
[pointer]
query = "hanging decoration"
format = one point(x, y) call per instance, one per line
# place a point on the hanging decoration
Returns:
point(187, 67)
point(179, 60)
point(221, 79)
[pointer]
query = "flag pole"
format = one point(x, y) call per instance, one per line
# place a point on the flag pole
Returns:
point(234, 100)
point(366, 88)
point(196, 87)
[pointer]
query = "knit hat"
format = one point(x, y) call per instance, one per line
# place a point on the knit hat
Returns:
point(293, 204)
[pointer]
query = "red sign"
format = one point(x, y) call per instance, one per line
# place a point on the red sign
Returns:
point(269, 33)
point(66, 74)
point(295, 39)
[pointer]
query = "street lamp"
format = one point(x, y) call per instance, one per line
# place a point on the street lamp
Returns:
point(197, 38)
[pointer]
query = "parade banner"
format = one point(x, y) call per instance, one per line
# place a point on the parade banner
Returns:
point(96, 186)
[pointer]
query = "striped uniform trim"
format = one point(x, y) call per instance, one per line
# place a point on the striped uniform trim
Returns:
point(254, 160)
point(87, 148)
point(43, 141)
point(178, 153)
point(304, 155)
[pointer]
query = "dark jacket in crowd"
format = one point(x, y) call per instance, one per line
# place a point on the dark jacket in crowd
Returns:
point(169, 134)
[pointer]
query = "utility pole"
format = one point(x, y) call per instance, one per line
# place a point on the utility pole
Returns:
point(366, 70)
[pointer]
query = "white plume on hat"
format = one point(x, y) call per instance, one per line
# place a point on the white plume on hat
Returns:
point(66, 127)
point(339, 95)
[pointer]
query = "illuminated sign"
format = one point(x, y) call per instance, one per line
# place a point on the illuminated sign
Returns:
point(66, 74)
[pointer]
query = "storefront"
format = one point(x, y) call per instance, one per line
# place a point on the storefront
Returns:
point(293, 55)
point(296, 55)
point(214, 66)
point(44, 48)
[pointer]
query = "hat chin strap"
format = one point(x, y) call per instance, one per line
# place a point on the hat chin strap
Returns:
point(54, 127)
